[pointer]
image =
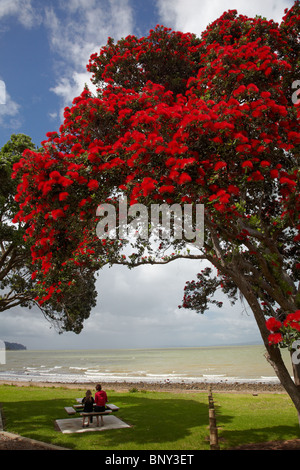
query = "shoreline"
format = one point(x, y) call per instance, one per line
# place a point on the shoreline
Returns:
point(235, 387)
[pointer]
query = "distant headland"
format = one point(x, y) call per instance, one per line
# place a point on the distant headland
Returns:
point(14, 346)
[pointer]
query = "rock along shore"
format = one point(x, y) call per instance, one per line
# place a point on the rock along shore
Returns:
point(237, 387)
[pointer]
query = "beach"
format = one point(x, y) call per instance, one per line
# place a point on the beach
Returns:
point(179, 387)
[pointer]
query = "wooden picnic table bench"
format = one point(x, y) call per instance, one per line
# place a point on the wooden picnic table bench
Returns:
point(95, 413)
point(110, 406)
point(71, 410)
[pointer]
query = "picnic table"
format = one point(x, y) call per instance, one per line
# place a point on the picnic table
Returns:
point(110, 407)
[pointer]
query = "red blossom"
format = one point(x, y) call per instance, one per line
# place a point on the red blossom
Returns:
point(184, 178)
point(275, 338)
point(247, 164)
point(167, 189)
point(57, 213)
point(148, 186)
point(265, 163)
point(93, 185)
point(293, 320)
point(220, 165)
point(273, 325)
point(63, 196)
point(274, 174)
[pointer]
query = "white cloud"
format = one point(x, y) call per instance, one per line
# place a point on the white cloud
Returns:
point(53, 115)
point(70, 86)
point(27, 16)
point(2, 92)
point(9, 113)
point(76, 31)
point(194, 15)
point(23, 10)
point(138, 309)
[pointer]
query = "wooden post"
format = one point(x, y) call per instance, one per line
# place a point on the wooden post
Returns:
point(214, 445)
point(212, 418)
point(213, 430)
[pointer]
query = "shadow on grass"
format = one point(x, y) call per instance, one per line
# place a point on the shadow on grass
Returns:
point(230, 437)
point(161, 420)
point(158, 421)
point(154, 421)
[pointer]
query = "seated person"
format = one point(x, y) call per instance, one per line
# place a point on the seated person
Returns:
point(88, 402)
point(100, 399)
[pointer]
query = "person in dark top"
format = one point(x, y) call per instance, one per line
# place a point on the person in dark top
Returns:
point(88, 402)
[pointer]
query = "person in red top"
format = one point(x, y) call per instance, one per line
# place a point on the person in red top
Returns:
point(100, 398)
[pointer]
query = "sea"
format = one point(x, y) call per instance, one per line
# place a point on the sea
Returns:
point(231, 364)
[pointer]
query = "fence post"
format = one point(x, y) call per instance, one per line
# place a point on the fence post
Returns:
point(213, 430)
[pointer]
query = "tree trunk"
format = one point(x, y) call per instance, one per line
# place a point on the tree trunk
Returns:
point(274, 356)
point(296, 373)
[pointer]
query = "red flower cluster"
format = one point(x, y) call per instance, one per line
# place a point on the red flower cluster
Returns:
point(281, 331)
point(293, 320)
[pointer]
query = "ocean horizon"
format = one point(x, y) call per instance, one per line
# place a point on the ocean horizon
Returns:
point(207, 364)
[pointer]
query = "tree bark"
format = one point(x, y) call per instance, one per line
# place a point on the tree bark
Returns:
point(296, 373)
point(273, 356)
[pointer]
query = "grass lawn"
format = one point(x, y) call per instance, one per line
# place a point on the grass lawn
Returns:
point(159, 420)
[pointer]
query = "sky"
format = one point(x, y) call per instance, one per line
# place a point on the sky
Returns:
point(44, 49)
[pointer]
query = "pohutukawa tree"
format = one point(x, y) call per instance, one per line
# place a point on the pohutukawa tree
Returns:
point(185, 120)
point(15, 277)
point(18, 286)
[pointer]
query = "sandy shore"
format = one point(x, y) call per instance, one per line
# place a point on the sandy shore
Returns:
point(161, 387)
